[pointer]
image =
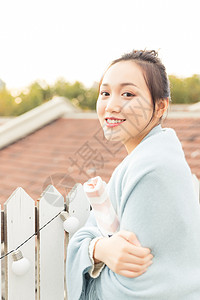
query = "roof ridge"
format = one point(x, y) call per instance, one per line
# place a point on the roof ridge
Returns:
point(27, 123)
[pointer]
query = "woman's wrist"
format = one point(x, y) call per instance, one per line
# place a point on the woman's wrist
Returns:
point(96, 261)
point(98, 250)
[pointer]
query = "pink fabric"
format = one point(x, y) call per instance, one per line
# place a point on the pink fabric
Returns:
point(106, 217)
point(101, 207)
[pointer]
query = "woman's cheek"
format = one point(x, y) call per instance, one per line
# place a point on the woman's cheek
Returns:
point(100, 108)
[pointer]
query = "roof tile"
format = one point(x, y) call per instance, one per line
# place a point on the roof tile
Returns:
point(68, 151)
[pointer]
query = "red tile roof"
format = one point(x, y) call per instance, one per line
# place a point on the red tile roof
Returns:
point(68, 151)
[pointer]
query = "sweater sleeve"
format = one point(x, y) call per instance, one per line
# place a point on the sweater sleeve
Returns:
point(96, 267)
point(78, 262)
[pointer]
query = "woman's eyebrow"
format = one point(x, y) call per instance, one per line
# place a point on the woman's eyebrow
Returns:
point(128, 83)
point(122, 84)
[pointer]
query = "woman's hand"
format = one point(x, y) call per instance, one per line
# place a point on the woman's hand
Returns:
point(123, 254)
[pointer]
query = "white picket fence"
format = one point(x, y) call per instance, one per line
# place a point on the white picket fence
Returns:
point(45, 251)
point(45, 278)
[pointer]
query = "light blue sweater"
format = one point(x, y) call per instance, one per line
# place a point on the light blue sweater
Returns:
point(153, 193)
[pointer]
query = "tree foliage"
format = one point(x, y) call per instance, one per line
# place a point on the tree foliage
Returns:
point(183, 90)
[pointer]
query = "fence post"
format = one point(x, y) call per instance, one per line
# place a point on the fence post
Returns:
point(50, 246)
point(79, 206)
point(19, 214)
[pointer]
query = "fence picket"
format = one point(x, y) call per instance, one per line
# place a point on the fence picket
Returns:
point(50, 246)
point(79, 206)
point(19, 225)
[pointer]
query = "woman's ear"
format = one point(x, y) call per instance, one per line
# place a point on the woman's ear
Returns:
point(161, 106)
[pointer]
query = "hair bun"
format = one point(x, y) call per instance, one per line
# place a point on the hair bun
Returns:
point(144, 52)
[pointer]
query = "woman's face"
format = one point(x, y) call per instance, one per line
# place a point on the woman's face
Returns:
point(124, 105)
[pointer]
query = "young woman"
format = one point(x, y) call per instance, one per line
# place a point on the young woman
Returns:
point(155, 255)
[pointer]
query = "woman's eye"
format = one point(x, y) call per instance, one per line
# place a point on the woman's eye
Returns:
point(127, 94)
point(105, 94)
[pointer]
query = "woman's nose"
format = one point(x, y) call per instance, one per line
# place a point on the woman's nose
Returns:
point(113, 105)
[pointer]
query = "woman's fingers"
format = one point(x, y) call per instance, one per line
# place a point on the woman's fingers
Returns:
point(141, 261)
point(135, 268)
point(138, 251)
point(132, 271)
point(131, 274)
point(131, 258)
point(130, 237)
point(134, 244)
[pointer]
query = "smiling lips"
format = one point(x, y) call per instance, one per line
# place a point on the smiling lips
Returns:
point(113, 122)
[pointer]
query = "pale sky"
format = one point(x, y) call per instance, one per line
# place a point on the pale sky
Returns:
point(77, 39)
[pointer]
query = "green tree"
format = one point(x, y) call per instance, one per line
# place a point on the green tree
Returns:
point(6, 103)
point(185, 90)
point(36, 96)
point(177, 89)
point(77, 93)
point(192, 87)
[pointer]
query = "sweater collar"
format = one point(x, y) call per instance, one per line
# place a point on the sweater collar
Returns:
point(154, 130)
